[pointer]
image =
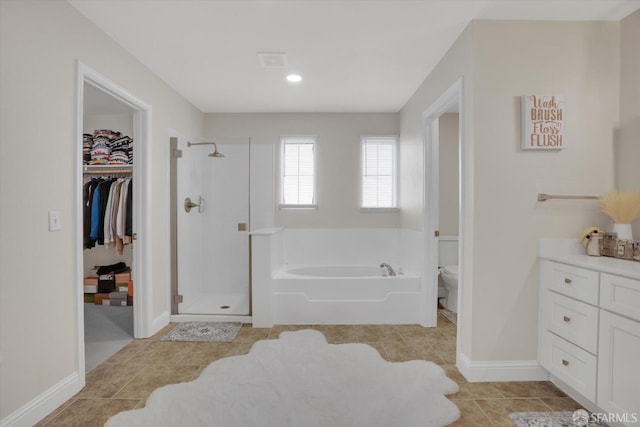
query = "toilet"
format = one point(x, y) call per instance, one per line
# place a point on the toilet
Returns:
point(449, 274)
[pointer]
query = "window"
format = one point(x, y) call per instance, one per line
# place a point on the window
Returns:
point(297, 185)
point(378, 172)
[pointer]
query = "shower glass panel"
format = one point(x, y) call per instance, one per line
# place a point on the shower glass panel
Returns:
point(213, 236)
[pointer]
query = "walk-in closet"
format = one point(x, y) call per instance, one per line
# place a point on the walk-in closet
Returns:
point(107, 169)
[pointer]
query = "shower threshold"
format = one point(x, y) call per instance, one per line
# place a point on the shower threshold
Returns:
point(179, 318)
point(215, 305)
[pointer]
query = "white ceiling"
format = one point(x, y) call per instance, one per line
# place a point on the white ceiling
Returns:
point(353, 55)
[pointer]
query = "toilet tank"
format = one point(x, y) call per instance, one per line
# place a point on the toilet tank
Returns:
point(447, 250)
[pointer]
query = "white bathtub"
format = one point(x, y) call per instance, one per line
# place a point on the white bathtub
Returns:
point(343, 294)
point(335, 271)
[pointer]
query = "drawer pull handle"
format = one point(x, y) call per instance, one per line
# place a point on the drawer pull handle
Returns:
point(567, 281)
point(565, 362)
point(566, 318)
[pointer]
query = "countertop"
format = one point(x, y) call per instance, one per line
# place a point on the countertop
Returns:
point(570, 251)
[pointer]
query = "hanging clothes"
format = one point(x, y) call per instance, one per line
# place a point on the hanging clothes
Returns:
point(114, 225)
point(128, 230)
point(103, 198)
point(121, 217)
point(90, 186)
point(107, 212)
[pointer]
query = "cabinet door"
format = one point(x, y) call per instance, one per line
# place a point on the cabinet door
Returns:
point(620, 295)
point(618, 370)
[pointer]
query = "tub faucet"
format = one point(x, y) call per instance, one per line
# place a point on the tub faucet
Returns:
point(390, 270)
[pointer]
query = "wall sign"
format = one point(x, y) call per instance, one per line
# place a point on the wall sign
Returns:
point(543, 122)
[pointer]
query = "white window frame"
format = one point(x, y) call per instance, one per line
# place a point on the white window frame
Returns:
point(363, 140)
point(311, 139)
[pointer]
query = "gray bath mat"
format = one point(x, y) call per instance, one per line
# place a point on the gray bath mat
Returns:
point(579, 418)
point(204, 332)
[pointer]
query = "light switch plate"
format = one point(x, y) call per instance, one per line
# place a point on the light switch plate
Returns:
point(54, 221)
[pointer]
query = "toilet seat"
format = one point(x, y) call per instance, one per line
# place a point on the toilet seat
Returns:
point(451, 270)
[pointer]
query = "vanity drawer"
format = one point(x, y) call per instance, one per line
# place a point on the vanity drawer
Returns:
point(571, 364)
point(574, 282)
point(620, 295)
point(573, 320)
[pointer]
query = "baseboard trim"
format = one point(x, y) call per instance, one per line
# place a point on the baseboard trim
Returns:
point(501, 370)
point(159, 323)
point(586, 403)
point(38, 408)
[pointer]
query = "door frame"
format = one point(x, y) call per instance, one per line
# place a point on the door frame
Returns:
point(174, 154)
point(431, 137)
point(141, 274)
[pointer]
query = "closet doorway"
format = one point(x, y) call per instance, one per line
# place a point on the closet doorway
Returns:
point(112, 129)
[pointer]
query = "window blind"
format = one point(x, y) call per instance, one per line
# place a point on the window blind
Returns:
point(378, 172)
point(298, 171)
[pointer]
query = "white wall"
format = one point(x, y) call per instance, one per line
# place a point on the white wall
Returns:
point(456, 63)
point(628, 147)
point(448, 171)
point(511, 58)
point(342, 246)
point(122, 123)
point(500, 61)
point(40, 43)
point(338, 160)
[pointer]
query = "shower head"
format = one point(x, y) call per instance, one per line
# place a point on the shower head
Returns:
point(215, 153)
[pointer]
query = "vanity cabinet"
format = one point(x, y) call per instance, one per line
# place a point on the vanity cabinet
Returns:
point(589, 336)
point(569, 325)
point(619, 364)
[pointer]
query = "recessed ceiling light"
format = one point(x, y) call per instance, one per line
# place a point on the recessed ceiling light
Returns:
point(294, 78)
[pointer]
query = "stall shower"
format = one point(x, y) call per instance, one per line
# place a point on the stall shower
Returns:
point(218, 197)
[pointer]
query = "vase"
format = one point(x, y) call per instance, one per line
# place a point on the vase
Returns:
point(623, 230)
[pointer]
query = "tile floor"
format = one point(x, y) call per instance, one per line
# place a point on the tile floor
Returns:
point(125, 380)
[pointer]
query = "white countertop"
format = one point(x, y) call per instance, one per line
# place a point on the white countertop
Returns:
point(570, 251)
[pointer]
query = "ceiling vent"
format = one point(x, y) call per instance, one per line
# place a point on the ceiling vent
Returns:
point(273, 59)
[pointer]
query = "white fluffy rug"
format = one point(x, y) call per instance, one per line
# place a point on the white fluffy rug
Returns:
point(300, 380)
